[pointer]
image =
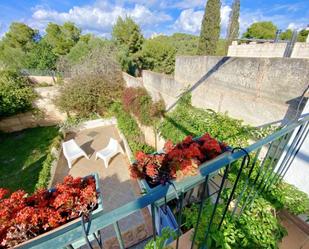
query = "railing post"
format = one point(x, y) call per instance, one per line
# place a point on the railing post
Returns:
point(119, 236)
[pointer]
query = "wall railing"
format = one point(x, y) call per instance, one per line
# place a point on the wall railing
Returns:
point(258, 166)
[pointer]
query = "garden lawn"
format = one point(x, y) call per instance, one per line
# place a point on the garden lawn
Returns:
point(22, 155)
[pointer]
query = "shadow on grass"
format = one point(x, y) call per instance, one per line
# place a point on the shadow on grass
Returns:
point(22, 155)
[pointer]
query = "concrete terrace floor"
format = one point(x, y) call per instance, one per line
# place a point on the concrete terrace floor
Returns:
point(116, 186)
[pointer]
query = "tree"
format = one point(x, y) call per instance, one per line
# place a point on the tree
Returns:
point(233, 28)
point(158, 56)
point(86, 45)
point(11, 58)
point(286, 35)
point(210, 30)
point(16, 94)
point(302, 35)
point(127, 33)
point(62, 38)
point(261, 30)
point(20, 36)
point(41, 57)
point(18, 41)
point(128, 38)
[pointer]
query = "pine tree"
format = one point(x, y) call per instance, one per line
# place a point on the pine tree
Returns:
point(233, 28)
point(210, 30)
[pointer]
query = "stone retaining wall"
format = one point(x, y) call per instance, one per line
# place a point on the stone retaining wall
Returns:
point(48, 113)
point(257, 90)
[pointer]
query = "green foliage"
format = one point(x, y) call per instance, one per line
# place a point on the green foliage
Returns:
point(261, 30)
point(11, 58)
point(184, 44)
point(130, 129)
point(22, 155)
point(129, 39)
point(139, 102)
point(210, 30)
point(89, 93)
point(20, 36)
point(44, 175)
point(85, 46)
point(302, 35)
point(188, 120)
point(286, 35)
point(62, 38)
point(255, 228)
point(41, 57)
point(158, 56)
point(16, 95)
point(233, 27)
point(19, 40)
point(284, 195)
point(160, 242)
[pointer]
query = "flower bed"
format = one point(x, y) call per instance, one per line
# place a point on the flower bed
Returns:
point(23, 217)
point(177, 161)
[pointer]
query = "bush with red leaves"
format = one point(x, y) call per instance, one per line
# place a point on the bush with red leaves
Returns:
point(139, 102)
point(178, 161)
point(23, 217)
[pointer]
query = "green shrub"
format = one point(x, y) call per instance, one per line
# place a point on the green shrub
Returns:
point(89, 93)
point(16, 94)
point(44, 176)
point(130, 129)
point(255, 228)
point(161, 241)
point(189, 120)
point(284, 195)
point(139, 102)
point(158, 56)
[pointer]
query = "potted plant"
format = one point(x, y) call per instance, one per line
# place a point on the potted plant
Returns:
point(175, 161)
point(23, 217)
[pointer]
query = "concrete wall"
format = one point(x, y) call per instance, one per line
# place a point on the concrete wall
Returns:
point(132, 81)
point(257, 90)
point(267, 50)
point(49, 115)
point(301, 50)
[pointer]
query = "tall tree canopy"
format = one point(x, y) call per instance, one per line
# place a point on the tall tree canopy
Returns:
point(62, 38)
point(41, 57)
point(158, 56)
point(302, 35)
point(127, 33)
point(20, 36)
point(128, 37)
point(261, 30)
point(286, 35)
point(210, 30)
point(233, 27)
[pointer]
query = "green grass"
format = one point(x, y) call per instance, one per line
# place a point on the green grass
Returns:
point(22, 155)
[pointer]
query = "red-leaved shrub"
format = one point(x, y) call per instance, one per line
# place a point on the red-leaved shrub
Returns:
point(177, 161)
point(139, 102)
point(23, 217)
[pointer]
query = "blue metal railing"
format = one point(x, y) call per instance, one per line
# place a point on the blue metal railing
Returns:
point(268, 172)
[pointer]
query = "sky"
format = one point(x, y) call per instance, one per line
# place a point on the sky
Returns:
point(154, 16)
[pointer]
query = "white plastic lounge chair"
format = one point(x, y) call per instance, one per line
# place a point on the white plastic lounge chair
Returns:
point(72, 151)
point(112, 149)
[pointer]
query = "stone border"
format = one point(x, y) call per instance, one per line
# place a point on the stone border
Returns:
point(56, 152)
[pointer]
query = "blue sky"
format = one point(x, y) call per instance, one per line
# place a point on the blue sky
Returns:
point(154, 16)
